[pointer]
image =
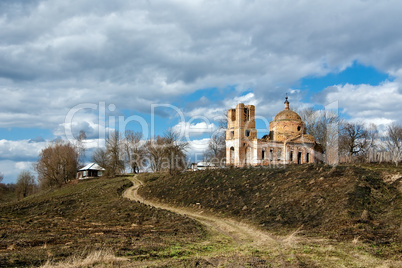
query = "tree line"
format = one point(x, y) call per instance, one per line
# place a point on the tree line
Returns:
point(57, 165)
point(25, 186)
point(161, 153)
point(344, 141)
point(59, 162)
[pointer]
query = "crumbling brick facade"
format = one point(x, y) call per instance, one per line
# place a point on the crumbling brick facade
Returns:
point(286, 143)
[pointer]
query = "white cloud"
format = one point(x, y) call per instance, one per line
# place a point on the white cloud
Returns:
point(379, 104)
point(188, 129)
point(11, 169)
point(94, 125)
point(136, 53)
point(197, 148)
point(249, 99)
point(56, 54)
point(20, 150)
point(23, 165)
point(210, 112)
point(218, 111)
point(7, 168)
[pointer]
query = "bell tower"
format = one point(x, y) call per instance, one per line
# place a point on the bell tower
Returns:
point(239, 134)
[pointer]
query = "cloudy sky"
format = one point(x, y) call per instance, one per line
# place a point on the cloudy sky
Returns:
point(150, 65)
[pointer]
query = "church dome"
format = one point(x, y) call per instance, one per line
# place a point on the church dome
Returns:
point(286, 125)
point(287, 115)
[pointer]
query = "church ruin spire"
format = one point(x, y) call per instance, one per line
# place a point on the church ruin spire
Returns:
point(286, 102)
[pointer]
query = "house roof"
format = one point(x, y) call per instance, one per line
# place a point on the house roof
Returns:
point(92, 166)
point(205, 164)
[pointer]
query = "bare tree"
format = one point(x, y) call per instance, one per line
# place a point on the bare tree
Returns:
point(114, 154)
point(26, 184)
point(223, 121)
point(134, 149)
point(323, 125)
point(100, 157)
point(80, 145)
point(318, 124)
point(216, 152)
point(393, 142)
point(155, 152)
point(167, 152)
point(1, 177)
point(174, 151)
point(354, 139)
point(57, 164)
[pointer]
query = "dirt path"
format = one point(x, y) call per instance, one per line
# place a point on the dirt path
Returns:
point(241, 233)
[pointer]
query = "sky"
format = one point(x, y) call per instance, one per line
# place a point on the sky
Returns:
point(149, 65)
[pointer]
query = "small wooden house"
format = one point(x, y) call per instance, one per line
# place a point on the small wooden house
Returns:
point(192, 167)
point(205, 166)
point(91, 170)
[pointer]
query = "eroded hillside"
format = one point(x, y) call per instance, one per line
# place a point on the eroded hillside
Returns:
point(343, 202)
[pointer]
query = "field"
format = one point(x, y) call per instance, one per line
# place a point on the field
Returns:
point(7, 193)
point(293, 216)
point(79, 219)
point(345, 204)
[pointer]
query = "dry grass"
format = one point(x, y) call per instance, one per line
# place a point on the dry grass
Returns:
point(341, 202)
point(292, 239)
point(87, 217)
point(91, 225)
point(99, 258)
point(314, 211)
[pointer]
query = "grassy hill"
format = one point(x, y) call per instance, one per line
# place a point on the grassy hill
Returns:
point(80, 218)
point(343, 202)
point(359, 207)
point(7, 193)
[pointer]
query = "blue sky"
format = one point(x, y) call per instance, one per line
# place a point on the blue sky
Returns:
point(355, 74)
point(184, 63)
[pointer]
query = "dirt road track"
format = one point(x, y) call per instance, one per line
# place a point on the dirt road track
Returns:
point(239, 232)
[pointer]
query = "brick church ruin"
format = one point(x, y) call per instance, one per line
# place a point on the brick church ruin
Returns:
point(287, 141)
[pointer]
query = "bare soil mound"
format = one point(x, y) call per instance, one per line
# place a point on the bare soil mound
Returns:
point(342, 202)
